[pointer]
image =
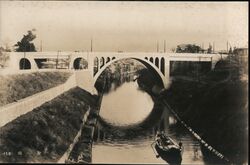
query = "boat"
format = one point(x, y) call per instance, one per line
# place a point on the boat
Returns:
point(168, 149)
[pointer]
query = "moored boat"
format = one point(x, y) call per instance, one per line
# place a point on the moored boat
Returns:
point(168, 149)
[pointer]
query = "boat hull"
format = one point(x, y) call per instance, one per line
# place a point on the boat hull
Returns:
point(171, 156)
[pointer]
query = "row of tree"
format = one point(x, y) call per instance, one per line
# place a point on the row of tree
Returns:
point(192, 48)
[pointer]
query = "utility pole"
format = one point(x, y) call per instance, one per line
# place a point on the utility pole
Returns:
point(202, 47)
point(164, 46)
point(91, 45)
point(157, 46)
point(57, 58)
point(227, 46)
point(41, 46)
point(213, 47)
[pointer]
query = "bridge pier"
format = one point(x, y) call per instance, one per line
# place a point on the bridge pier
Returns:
point(167, 71)
point(213, 63)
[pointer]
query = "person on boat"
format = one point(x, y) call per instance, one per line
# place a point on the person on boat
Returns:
point(158, 138)
point(159, 141)
point(164, 139)
point(181, 148)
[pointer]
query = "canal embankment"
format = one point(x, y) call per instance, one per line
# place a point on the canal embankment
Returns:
point(217, 112)
point(46, 133)
point(215, 106)
point(81, 150)
point(15, 109)
point(18, 86)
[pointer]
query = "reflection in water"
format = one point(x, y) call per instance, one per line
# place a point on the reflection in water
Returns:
point(126, 111)
point(117, 143)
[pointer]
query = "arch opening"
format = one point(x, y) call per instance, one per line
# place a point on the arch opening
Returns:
point(162, 66)
point(157, 62)
point(151, 59)
point(96, 65)
point(80, 63)
point(159, 77)
point(24, 64)
point(102, 62)
point(107, 60)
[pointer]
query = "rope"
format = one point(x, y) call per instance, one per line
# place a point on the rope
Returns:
point(209, 147)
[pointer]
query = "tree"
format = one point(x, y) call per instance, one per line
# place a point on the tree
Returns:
point(4, 57)
point(173, 50)
point(209, 50)
point(25, 44)
point(188, 48)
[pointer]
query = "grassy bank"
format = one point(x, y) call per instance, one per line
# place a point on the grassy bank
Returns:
point(44, 134)
point(16, 87)
point(216, 111)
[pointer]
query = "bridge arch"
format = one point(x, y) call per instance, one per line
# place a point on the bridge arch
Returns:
point(108, 59)
point(24, 63)
point(151, 59)
point(102, 62)
point(162, 65)
point(80, 63)
point(156, 71)
point(96, 65)
point(157, 62)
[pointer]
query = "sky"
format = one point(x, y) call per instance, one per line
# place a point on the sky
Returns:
point(124, 26)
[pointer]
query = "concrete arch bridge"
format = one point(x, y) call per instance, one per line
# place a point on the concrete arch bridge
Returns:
point(159, 63)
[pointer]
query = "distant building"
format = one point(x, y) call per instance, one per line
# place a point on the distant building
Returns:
point(242, 52)
point(242, 56)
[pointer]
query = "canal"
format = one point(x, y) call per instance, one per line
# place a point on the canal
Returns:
point(129, 120)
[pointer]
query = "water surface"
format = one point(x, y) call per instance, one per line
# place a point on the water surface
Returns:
point(128, 124)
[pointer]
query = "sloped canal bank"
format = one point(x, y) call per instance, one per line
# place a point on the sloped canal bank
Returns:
point(44, 134)
point(217, 112)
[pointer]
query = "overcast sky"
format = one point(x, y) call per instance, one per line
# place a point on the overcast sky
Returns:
point(127, 26)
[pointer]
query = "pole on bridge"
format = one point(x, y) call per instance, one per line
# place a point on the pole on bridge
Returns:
point(41, 46)
point(164, 46)
point(227, 46)
point(157, 46)
point(91, 46)
point(57, 59)
point(213, 47)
